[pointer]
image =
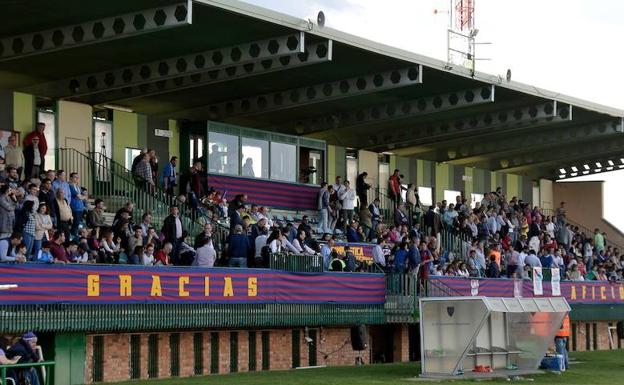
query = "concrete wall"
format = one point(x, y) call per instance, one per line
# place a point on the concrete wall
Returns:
point(546, 195)
point(75, 126)
point(125, 134)
point(585, 204)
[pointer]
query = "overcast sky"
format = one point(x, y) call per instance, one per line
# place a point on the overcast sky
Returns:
point(569, 46)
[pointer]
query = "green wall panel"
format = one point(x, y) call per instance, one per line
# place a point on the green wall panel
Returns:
point(174, 142)
point(442, 180)
point(69, 354)
point(125, 134)
point(469, 182)
point(23, 112)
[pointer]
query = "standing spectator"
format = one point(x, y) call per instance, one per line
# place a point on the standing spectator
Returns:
point(63, 213)
point(153, 162)
point(27, 219)
point(394, 188)
point(599, 243)
point(78, 202)
point(400, 218)
point(33, 160)
point(352, 233)
point(137, 159)
point(39, 134)
point(43, 224)
point(347, 197)
point(375, 214)
point(361, 188)
point(173, 230)
point(8, 204)
point(170, 176)
point(239, 248)
point(144, 173)
point(323, 207)
point(206, 254)
point(61, 183)
point(561, 214)
point(13, 155)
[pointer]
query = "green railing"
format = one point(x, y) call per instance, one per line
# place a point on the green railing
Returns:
point(296, 262)
point(401, 298)
point(47, 367)
point(147, 317)
point(116, 185)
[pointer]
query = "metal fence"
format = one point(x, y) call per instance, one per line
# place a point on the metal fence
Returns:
point(296, 262)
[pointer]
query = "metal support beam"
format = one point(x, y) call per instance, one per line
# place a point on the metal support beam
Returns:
point(314, 54)
point(556, 156)
point(96, 31)
point(596, 165)
point(209, 63)
point(466, 153)
point(395, 111)
point(499, 121)
point(318, 93)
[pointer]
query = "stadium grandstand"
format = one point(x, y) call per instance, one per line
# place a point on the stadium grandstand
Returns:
point(202, 187)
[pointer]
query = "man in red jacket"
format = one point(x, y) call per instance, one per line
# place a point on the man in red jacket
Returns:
point(394, 188)
point(38, 132)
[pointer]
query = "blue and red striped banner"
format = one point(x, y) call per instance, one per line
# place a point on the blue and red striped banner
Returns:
point(104, 284)
point(575, 292)
point(267, 193)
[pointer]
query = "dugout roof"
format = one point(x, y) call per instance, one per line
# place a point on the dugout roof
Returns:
point(229, 61)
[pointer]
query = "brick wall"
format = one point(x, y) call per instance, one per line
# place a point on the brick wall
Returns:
point(333, 341)
point(600, 341)
point(401, 343)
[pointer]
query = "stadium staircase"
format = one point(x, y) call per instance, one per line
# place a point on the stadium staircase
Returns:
point(112, 182)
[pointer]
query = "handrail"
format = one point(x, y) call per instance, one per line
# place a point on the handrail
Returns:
point(551, 213)
point(160, 193)
point(112, 181)
point(45, 364)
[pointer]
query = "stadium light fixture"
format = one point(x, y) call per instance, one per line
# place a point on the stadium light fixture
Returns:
point(562, 171)
point(586, 166)
point(610, 162)
point(574, 168)
point(598, 164)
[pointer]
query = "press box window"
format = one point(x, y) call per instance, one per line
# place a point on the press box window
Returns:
point(283, 162)
point(222, 153)
point(311, 166)
point(255, 158)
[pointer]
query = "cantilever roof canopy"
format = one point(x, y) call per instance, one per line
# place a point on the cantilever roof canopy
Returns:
point(230, 61)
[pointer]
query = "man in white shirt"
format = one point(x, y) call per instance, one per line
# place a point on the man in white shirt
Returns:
point(378, 253)
point(347, 197)
point(532, 260)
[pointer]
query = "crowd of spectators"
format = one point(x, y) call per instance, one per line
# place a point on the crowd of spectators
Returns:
point(45, 216)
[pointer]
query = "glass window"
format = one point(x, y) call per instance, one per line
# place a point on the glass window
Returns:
point(222, 153)
point(426, 195)
point(474, 198)
point(283, 162)
point(311, 166)
point(450, 196)
point(131, 153)
point(384, 175)
point(103, 146)
point(49, 119)
point(352, 170)
point(255, 158)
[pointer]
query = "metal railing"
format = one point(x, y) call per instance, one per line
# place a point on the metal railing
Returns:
point(116, 185)
point(148, 317)
point(401, 298)
point(296, 262)
point(47, 366)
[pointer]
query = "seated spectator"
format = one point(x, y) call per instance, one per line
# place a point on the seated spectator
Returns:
point(44, 255)
point(8, 248)
point(95, 217)
point(161, 258)
point(58, 251)
point(147, 259)
point(136, 239)
point(300, 245)
point(26, 351)
point(137, 256)
point(574, 274)
point(111, 247)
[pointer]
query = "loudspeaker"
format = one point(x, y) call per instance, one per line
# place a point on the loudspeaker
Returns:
point(620, 329)
point(359, 337)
